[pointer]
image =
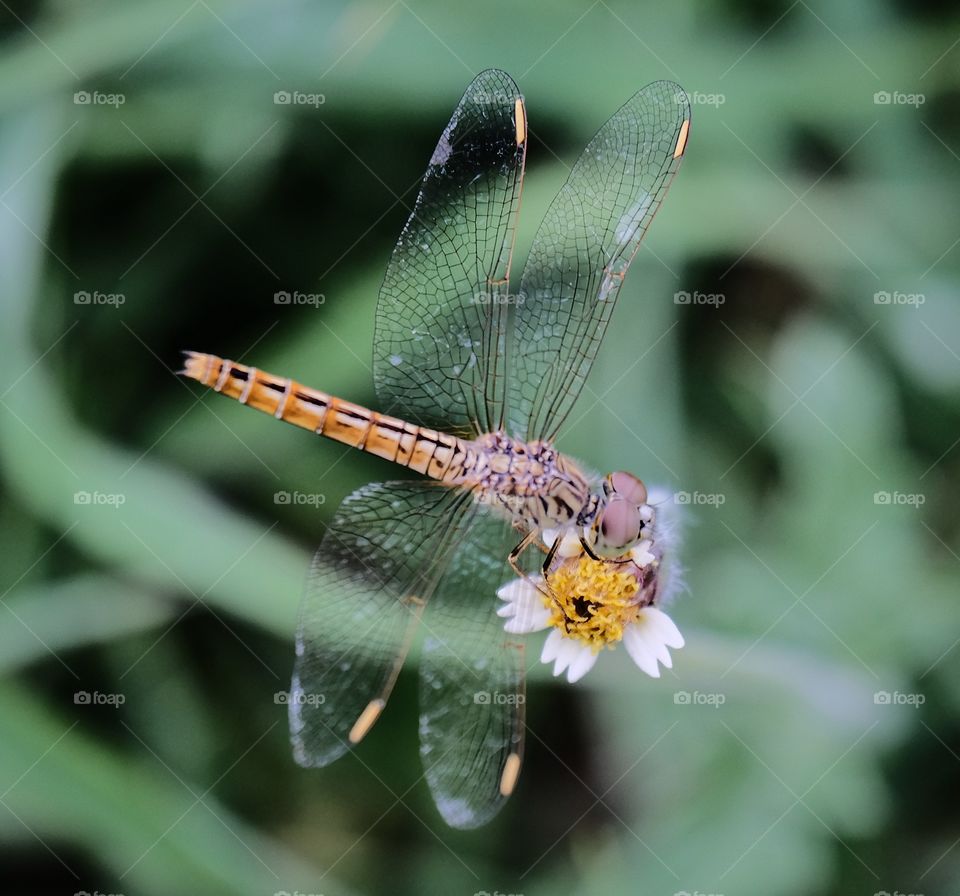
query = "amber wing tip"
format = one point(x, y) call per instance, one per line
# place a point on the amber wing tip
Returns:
point(682, 136)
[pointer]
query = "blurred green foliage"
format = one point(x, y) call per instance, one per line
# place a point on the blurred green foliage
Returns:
point(787, 412)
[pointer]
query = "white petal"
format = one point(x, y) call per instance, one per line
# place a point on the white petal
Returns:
point(570, 545)
point(648, 638)
point(569, 541)
point(651, 637)
point(581, 665)
point(549, 536)
point(551, 647)
point(639, 652)
point(514, 589)
point(526, 621)
point(524, 607)
point(665, 627)
point(640, 553)
point(560, 661)
point(567, 655)
point(569, 650)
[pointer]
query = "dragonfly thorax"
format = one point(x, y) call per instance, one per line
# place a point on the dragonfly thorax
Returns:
point(531, 481)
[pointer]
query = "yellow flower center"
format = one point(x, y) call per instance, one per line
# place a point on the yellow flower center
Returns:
point(592, 600)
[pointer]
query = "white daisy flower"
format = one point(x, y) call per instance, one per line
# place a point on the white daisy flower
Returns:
point(591, 604)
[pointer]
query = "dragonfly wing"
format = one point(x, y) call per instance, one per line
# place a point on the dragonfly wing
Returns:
point(376, 567)
point(582, 250)
point(472, 683)
point(439, 348)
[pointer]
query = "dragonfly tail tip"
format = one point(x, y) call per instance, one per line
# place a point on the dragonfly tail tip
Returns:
point(194, 365)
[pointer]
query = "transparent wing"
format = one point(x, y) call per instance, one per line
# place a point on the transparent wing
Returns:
point(472, 683)
point(582, 250)
point(439, 348)
point(376, 567)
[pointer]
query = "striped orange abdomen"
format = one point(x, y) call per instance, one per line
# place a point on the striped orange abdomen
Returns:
point(428, 451)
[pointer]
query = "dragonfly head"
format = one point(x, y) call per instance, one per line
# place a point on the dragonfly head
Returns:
point(622, 514)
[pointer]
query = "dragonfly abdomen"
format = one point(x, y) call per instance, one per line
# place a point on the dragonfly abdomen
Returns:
point(428, 451)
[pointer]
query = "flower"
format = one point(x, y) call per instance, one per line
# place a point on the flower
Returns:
point(590, 604)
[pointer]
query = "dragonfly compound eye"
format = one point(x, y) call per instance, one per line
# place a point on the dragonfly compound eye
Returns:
point(620, 525)
point(628, 486)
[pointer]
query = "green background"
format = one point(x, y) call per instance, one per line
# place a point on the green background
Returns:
point(787, 410)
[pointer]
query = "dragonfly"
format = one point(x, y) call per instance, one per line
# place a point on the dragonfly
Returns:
point(476, 372)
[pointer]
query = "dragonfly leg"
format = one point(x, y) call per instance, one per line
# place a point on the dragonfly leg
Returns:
point(587, 549)
point(528, 539)
point(589, 552)
point(548, 560)
point(525, 542)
